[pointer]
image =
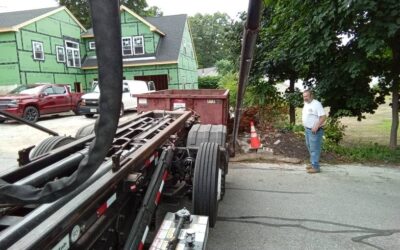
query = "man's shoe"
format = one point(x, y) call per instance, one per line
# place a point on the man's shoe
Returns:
point(313, 171)
point(309, 166)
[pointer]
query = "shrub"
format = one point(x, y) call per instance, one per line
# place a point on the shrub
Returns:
point(366, 153)
point(334, 131)
point(209, 82)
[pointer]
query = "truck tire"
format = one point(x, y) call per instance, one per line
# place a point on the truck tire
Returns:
point(85, 131)
point(207, 180)
point(76, 110)
point(200, 133)
point(31, 114)
point(49, 144)
point(89, 115)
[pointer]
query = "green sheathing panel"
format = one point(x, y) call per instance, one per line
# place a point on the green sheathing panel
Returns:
point(19, 40)
point(51, 31)
point(31, 27)
point(7, 37)
point(49, 26)
point(8, 52)
point(27, 63)
point(49, 66)
point(29, 36)
point(55, 41)
point(63, 78)
point(131, 26)
point(9, 74)
point(39, 77)
point(187, 65)
point(90, 75)
point(130, 72)
point(88, 51)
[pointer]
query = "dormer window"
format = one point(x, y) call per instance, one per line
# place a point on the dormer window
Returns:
point(127, 46)
point(92, 46)
point(138, 45)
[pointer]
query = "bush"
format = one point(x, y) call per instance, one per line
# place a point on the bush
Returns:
point(366, 153)
point(294, 128)
point(334, 131)
point(209, 82)
point(229, 81)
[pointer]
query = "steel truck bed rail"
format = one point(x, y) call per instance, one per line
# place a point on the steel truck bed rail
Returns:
point(128, 163)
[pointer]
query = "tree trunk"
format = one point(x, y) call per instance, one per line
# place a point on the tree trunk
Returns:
point(395, 113)
point(292, 109)
point(395, 96)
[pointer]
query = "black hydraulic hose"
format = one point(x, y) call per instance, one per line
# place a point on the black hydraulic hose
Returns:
point(107, 30)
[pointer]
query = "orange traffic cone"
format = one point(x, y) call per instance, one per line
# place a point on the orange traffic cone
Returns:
point(254, 139)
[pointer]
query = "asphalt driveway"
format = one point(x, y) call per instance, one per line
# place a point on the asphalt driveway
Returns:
point(279, 206)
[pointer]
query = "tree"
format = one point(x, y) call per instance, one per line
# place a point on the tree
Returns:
point(141, 8)
point(80, 9)
point(377, 32)
point(224, 66)
point(303, 39)
point(209, 37)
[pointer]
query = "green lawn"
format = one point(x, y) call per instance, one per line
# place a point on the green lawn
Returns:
point(374, 129)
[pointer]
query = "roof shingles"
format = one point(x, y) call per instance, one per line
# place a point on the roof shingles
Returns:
point(10, 19)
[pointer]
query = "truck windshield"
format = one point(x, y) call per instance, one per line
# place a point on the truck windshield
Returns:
point(27, 89)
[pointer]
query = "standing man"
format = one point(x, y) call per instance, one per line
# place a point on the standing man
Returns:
point(313, 116)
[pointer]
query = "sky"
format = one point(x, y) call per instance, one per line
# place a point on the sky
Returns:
point(168, 7)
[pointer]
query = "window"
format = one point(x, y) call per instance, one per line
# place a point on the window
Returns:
point(127, 46)
point(73, 55)
point(60, 54)
point(37, 49)
point(59, 90)
point(138, 45)
point(92, 46)
point(48, 91)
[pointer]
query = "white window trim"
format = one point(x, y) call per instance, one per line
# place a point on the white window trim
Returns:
point(133, 45)
point(33, 50)
point(92, 45)
point(122, 43)
point(73, 56)
point(63, 49)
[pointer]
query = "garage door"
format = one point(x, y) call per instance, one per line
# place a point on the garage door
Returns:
point(161, 81)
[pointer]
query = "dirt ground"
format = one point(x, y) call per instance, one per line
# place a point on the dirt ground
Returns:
point(292, 145)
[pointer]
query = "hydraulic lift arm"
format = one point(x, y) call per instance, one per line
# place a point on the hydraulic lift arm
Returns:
point(248, 44)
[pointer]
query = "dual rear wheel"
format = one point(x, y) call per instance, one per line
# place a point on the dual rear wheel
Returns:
point(209, 180)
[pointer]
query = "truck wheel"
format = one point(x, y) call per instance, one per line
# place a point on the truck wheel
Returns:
point(89, 115)
point(76, 110)
point(207, 183)
point(200, 133)
point(49, 144)
point(31, 114)
point(84, 131)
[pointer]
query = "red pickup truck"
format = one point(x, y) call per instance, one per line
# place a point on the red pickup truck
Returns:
point(34, 100)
